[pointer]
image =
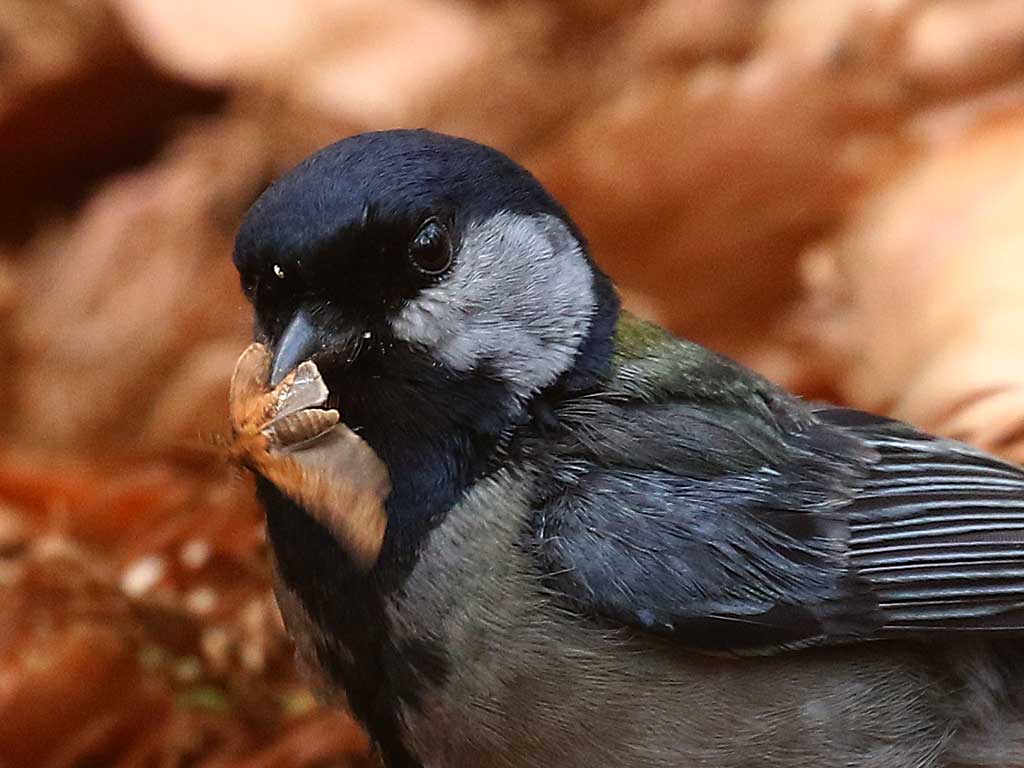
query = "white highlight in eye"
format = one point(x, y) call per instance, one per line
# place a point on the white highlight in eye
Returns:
point(278, 271)
point(519, 301)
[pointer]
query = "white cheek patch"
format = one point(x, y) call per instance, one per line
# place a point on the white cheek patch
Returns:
point(519, 300)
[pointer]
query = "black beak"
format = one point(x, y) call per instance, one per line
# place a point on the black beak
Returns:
point(299, 342)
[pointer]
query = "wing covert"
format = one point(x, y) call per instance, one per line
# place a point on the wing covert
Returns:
point(739, 533)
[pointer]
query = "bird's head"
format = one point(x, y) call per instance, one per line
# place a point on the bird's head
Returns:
point(389, 253)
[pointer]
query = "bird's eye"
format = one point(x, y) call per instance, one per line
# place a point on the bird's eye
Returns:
point(431, 250)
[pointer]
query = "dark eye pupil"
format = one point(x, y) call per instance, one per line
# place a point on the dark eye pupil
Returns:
point(431, 249)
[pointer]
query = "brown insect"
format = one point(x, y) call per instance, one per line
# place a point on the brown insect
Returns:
point(285, 435)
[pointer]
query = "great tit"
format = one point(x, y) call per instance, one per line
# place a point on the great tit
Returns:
point(607, 546)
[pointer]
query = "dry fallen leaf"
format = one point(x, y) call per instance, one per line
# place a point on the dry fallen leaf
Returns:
point(98, 667)
point(916, 306)
point(304, 450)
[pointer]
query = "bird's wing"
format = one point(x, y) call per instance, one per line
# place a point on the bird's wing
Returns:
point(738, 527)
point(937, 531)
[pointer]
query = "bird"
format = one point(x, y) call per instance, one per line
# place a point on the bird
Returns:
point(607, 545)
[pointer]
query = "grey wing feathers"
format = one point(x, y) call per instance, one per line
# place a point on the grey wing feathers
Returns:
point(937, 531)
point(738, 535)
point(702, 521)
point(694, 559)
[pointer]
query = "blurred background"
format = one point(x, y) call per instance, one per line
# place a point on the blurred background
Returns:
point(831, 192)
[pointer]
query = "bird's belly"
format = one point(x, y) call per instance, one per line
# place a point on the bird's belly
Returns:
point(660, 708)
